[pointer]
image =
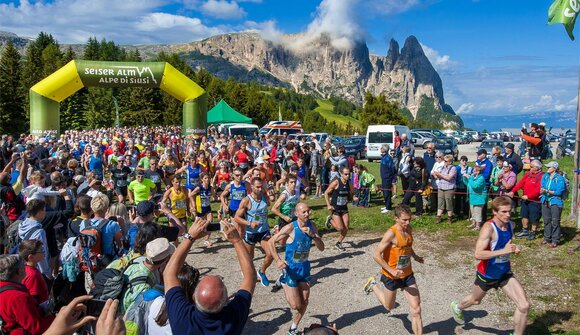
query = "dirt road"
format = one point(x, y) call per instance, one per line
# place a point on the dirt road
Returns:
point(337, 295)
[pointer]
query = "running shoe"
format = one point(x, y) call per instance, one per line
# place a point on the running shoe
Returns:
point(383, 208)
point(368, 288)
point(263, 279)
point(531, 235)
point(294, 331)
point(278, 285)
point(339, 246)
point(327, 223)
point(457, 313)
point(385, 211)
point(523, 233)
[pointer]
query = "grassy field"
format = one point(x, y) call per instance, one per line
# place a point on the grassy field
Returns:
point(325, 109)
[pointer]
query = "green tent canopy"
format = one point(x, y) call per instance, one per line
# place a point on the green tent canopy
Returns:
point(223, 113)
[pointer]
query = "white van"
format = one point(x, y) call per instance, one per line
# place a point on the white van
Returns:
point(247, 130)
point(377, 135)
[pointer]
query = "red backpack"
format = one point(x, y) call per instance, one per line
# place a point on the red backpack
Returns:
point(90, 247)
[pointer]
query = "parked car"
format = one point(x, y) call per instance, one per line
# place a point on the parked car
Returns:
point(488, 144)
point(436, 132)
point(465, 138)
point(475, 135)
point(421, 138)
point(566, 146)
point(380, 134)
point(355, 146)
point(448, 146)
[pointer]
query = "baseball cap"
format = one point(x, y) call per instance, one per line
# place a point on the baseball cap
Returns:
point(481, 152)
point(79, 179)
point(506, 164)
point(145, 208)
point(159, 249)
point(510, 145)
point(553, 164)
point(259, 160)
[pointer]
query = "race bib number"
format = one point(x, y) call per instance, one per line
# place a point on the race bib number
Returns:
point(193, 181)
point(121, 182)
point(238, 195)
point(341, 201)
point(205, 201)
point(403, 262)
point(156, 178)
point(300, 256)
point(502, 259)
point(180, 204)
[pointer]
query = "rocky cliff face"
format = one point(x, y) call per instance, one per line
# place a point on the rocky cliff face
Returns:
point(19, 42)
point(321, 69)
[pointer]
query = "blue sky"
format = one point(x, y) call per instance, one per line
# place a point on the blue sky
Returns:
point(495, 57)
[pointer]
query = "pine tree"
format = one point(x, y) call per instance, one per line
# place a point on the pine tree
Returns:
point(12, 113)
point(91, 49)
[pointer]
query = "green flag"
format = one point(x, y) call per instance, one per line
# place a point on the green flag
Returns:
point(565, 12)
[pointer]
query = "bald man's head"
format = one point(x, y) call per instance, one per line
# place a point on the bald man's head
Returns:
point(302, 212)
point(211, 295)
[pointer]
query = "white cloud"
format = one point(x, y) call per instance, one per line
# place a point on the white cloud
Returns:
point(441, 63)
point(125, 22)
point(465, 108)
point(513, 89)
point(222, 9)
point(343, 21)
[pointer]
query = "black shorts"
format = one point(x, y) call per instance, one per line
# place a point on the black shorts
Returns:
point(282, 223)
point(340, 212)
point(394, 284)
point(252, 239)
point(121, 190)
point(204, 211)
point(487, 284)
point(231, 212)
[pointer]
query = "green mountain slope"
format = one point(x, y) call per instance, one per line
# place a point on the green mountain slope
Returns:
point(325, 108)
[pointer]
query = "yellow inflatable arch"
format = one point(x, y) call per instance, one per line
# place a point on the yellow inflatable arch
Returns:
point(45, 96)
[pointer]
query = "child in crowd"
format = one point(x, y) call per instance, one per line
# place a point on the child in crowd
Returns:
point(32, 252)
point(334, 173)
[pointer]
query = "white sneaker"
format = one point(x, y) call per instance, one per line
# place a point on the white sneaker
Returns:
point(385, 211)
point(383, 208)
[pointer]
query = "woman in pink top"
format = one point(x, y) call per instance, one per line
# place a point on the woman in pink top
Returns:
point(506, 179)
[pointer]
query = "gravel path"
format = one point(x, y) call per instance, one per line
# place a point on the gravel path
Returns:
point(337, 295)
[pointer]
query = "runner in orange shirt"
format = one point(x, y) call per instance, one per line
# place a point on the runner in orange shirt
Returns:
point(394, 254)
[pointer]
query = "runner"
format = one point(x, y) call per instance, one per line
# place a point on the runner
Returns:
point(253, 215)
point(238, 190)
point(192, 171)
point(177, 195)
point(340, 190)
point(296, 266)
point(120, 175)
point(394, 254)
point(200, 200)
point(493, 249)
point(286, 203)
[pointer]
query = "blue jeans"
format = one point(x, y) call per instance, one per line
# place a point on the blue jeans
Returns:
point(363, 199)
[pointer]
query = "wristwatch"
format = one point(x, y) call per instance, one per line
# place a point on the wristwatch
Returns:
point(189, 237)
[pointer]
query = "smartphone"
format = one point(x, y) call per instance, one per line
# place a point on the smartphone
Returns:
point(214, 226)
point(170, 233)
point(95, 307)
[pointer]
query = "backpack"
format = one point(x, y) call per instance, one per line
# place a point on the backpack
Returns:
point(405, 166)
point(566, 192)
point(112, 283)
point(90, 247)
point(13, 238)
point(136, 317)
